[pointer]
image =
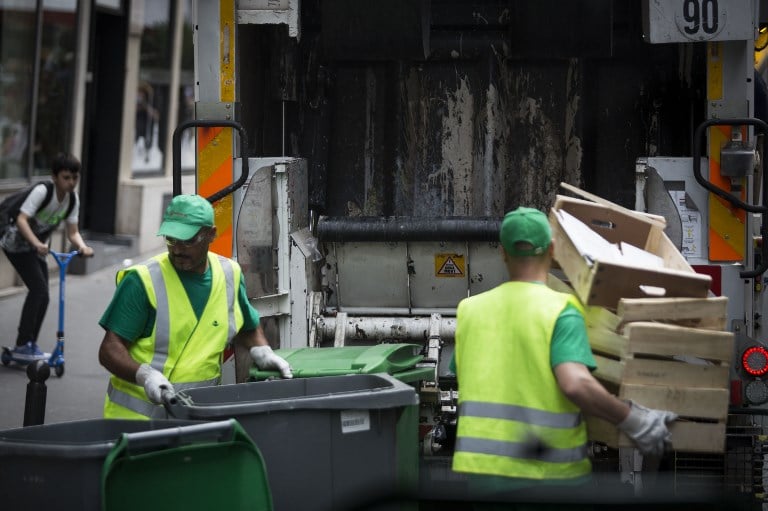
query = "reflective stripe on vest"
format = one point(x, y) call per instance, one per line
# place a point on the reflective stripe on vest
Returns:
point(524, 450)
point(148, 408)
point(520, 413)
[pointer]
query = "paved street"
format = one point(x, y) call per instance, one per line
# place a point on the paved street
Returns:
point(79, 393)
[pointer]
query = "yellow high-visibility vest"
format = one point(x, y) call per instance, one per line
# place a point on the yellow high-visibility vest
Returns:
point(186, 350)
point(514, 421)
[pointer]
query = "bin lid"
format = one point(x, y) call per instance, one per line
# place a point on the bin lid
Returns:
point(393, 359)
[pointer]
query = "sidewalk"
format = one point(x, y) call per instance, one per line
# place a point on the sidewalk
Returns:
point(79, 393)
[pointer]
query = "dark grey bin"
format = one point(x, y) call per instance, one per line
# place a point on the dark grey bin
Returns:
point(328, 443)
point(61, 463)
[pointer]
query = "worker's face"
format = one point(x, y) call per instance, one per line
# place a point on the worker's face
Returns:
point(191, 255)
point(66, 180)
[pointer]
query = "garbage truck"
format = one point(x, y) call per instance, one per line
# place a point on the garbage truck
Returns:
point(373, 148)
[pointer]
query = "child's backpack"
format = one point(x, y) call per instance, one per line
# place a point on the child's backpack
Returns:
point(11, 205)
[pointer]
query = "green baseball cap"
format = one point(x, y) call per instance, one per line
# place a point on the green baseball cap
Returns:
point(527, 225)
point(185, 215)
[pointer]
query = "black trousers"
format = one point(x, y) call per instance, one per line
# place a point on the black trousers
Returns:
point(33, 271)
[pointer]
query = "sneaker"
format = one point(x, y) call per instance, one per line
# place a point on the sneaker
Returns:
point(30, 352)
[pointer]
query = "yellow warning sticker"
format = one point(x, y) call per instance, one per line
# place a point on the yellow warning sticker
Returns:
point(449, 265)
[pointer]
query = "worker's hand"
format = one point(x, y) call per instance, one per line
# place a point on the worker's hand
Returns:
point(265, 358)
point(648, 428)
point(153, 382)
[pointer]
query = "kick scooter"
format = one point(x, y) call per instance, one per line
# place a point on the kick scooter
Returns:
point(56, 360)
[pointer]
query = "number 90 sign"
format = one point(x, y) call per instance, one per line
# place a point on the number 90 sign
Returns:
point(670, 21)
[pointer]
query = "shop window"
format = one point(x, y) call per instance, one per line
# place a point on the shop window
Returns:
point(57, 78)
point(17, 57)
point(152, 93)
point(36, 81)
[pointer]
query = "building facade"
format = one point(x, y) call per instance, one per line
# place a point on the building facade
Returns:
point(107, 80)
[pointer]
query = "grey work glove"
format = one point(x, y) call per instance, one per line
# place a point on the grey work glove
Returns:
point(265, 359)
point(648, 428)
point(153, 382)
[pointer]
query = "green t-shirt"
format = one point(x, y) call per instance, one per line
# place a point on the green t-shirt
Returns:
point(131, 316)
point(569, 341)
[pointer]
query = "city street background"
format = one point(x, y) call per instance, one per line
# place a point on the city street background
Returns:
point(79, 393)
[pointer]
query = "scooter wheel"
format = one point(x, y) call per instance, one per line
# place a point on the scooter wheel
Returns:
point(59, 369)
point(5, 357)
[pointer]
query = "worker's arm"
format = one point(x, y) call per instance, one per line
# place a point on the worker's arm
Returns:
point(251, 338)
point(578, 384)
point(73, 233)
point(22, 223)
point(114, 356)
point(646, 427)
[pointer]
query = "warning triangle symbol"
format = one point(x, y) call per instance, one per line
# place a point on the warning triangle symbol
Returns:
point(449, 267)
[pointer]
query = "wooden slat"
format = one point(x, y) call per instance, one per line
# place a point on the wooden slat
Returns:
point(684, 401)
point(570, 260)
point(687, 436)
point(558, 284)
point(601, 317)
point(664, 372)
point(660, 309)
point(606, 342)
point(670, 340)
point(660, 220)
point(608, 369)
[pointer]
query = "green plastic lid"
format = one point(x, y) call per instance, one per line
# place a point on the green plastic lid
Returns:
point(381, 358)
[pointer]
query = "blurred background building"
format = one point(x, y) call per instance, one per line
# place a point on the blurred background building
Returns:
point(107, 80)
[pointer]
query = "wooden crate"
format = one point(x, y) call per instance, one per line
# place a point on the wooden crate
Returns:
point(648, 352)
point(605, 274)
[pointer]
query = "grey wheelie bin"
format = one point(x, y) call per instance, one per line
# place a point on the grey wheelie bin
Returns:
point(114, 464)
point(62, 462)
point(329, 443)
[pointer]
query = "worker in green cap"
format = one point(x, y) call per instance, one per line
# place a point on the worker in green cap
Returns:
point(172, 316)
point(523, 364)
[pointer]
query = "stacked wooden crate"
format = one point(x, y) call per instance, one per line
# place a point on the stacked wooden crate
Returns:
point(666, 353)
point(657, 336)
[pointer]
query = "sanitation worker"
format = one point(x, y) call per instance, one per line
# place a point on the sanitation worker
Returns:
point(523, 362)
point(172, 316)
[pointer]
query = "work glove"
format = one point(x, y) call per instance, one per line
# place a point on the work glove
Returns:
point(154, 382)
point(648, 428)
point(266, 359)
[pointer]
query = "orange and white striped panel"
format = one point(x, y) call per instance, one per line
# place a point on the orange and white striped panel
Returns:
point(215, 145)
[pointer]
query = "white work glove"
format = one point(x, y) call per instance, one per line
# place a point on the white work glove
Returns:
point(265, 358)
point(648, 428)
point(153, 382)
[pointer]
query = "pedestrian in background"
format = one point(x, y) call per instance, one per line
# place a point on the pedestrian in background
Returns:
point(523, 363)
point(25, 243)
point(172, 316)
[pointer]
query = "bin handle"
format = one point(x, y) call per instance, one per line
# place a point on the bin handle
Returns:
point(219, 431)
point(176, 403)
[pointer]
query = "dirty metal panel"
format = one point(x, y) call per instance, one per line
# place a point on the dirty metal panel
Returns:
point(439, 274)
point(372, 275)
point(573, 29)
point(253, 233)
point(486, 267)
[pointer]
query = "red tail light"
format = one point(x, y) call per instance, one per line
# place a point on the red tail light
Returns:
point(755, 361)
